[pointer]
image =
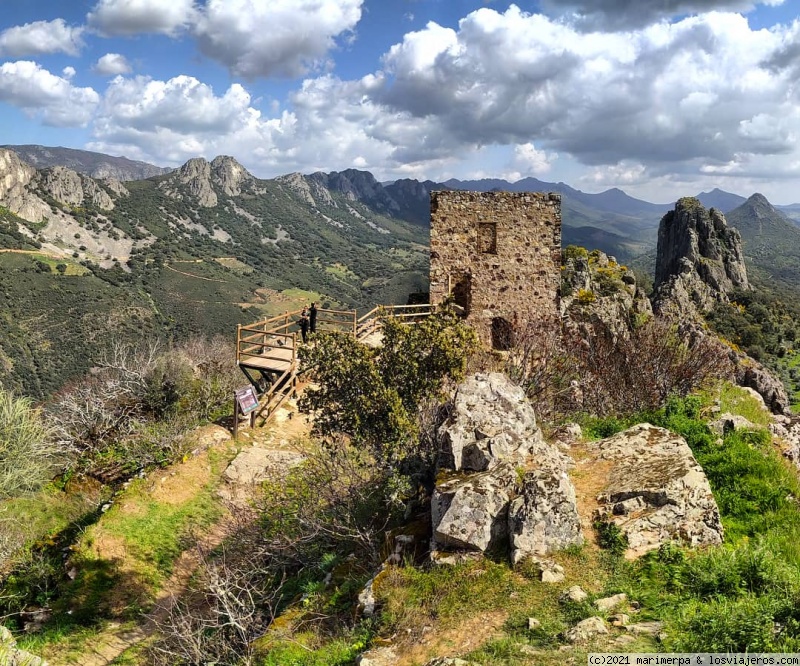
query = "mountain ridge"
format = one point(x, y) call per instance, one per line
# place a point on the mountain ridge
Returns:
point(87, 162)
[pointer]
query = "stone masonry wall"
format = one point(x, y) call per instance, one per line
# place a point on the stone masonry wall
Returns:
point(499, 253)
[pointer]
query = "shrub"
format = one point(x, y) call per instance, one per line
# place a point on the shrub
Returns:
point(574, 252)
point(115, 411)
point(373, 399)
point(29, 454)
point(597, 372)
point(610, 537)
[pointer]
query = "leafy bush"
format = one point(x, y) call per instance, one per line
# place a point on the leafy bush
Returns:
point(610, 537)
point(373, 399)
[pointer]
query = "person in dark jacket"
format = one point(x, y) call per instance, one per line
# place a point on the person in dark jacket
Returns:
point(312, 317)
point(304, 323)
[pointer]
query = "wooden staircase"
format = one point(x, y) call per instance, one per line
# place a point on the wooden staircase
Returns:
point(266, 351)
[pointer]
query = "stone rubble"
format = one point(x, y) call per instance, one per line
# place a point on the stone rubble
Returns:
point(586, 630)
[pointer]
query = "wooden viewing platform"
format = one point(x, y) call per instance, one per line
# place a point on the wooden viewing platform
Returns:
point(266, 351)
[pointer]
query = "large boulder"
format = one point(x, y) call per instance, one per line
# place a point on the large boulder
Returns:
point(503, 479)
point(544, 518)
point(470, 512)
point(788, 436)
point(751, 374)
point(655, 491)
point(491, 421)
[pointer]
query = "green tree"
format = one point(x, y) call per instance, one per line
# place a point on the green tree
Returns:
point(372, 396)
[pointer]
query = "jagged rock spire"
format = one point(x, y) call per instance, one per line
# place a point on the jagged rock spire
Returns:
point(699, 260)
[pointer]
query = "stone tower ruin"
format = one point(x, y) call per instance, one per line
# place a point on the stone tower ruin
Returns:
point(499, 255)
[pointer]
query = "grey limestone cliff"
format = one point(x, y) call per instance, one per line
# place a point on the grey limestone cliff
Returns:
point(699, 260)
point(205, 181)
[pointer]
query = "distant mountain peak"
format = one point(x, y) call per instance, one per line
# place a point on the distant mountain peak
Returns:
point(720, 199)
point(229, 175)
point(759, 199)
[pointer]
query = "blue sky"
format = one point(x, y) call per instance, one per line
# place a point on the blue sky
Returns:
point(662, 98)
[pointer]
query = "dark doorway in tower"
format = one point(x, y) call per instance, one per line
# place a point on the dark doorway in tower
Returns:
point(462, 291)
point(502, 334)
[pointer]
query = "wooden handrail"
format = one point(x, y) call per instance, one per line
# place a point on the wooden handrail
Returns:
point(369, 314)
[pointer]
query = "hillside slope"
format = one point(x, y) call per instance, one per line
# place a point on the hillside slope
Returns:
point(197, 250)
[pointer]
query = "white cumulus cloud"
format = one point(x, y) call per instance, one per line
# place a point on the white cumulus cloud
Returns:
point(256, 38)
point(41, 37)
point(28, 86)
point(112, 64)
point(131, 17)
point(625, 14)
point(667, 93)
point(706, 96)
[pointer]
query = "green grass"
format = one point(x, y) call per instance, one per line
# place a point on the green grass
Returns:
point(154, 532)
point(736, 400)
point(40, 517)
point(304, 649)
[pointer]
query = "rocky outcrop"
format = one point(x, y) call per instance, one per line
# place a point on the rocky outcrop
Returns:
point(699, 260)
point(116, 187)
point(751, 374)
point(230, 176)
point(596, 289)
point(470, 512)
point(787, 432)
point(505, 486)
point(69, 187)
point(544, 518)
point(204, 181)
point(655, 491)
point(491, 421)
point(195, 177)
point(15, 176)
point(62, 184)
point(11, 655)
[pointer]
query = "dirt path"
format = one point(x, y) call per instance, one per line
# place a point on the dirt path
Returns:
point(45, 253)
point(199, 277)
point(168, 485)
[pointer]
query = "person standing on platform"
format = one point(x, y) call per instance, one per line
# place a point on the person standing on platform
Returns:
point(304, 323)
point(312, 317)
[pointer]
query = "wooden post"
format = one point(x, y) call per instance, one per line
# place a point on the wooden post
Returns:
point(238, 345)
point(235, 417)
point(355, 324)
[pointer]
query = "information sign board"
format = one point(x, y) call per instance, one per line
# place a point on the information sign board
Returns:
point(246, 397)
